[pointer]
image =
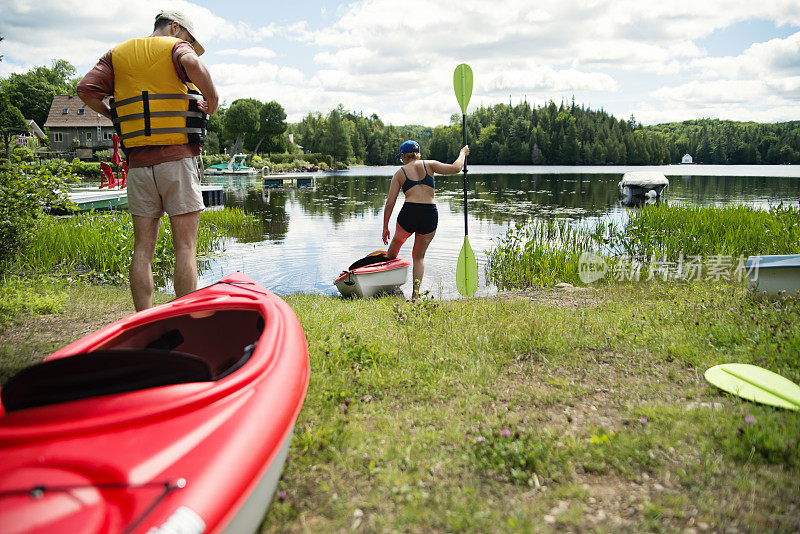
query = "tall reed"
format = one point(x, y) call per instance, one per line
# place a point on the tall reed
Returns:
point(734, 230)
point(543, 253)
point(101, 243)
point(549, 251)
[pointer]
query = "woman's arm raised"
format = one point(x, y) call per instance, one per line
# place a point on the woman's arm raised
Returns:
point(450, 168)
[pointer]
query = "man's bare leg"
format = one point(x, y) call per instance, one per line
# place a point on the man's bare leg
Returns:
point(184, 240)
point(145, 235)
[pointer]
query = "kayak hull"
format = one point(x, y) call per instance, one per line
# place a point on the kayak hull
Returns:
point(375, 279)
point(774, 274)
point(199, 456)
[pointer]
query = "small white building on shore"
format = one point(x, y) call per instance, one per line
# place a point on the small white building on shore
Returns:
point(687, 159)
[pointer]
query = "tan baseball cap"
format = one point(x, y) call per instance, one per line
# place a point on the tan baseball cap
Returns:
point(183, 20)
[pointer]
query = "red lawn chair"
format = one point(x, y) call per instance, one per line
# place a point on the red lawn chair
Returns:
point(107, 174)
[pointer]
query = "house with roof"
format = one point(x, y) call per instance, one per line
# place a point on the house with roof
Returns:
point(34, 138)
point(75, 128)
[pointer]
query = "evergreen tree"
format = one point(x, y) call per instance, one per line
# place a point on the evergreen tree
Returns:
point(336, 141)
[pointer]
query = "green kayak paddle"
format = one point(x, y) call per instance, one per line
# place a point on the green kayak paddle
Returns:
point(467, 268)
point(755, 384)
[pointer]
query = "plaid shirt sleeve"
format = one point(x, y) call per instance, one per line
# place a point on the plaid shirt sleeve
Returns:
point(99, 81)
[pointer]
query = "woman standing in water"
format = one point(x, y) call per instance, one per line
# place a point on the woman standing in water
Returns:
point(418, 215)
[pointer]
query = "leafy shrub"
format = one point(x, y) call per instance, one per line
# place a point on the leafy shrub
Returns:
point(22, 153)
point(214, 159)
point(86, 168)
point(26, 191)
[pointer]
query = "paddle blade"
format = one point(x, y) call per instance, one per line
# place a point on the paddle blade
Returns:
point(756, 384)
point(462, 83)
point(467, 270)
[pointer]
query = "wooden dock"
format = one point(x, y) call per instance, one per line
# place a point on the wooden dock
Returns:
point(103, 199)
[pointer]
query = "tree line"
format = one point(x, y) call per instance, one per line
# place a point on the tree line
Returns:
point(729, 142)
point(551, 134)
point(351, 137)
point(567, 134)
point(250, 124)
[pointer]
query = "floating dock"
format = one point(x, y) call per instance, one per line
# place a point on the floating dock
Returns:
point(117, 199)
point(114, 199)
point(290, 180)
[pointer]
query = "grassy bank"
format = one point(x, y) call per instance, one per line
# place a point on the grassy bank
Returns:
point(99, 245)
point(541, 411)
point(665, 238)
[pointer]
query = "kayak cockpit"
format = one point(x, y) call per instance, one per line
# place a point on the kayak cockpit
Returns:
point(175, 350)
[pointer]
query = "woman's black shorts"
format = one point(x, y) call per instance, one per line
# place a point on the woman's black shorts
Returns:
point(418, 218)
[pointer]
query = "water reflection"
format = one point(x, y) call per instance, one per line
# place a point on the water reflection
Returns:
point(308, 235)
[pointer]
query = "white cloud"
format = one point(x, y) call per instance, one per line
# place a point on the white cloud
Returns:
point(722, 92)
point(772, 58)
point(641, 55)
point(255, 52)
point(555, 48)
point(81, 31)
point(546, 80)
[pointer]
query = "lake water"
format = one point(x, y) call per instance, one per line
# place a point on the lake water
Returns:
point(311, 234)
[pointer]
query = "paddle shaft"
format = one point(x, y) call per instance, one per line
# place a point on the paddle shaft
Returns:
point(464, 137)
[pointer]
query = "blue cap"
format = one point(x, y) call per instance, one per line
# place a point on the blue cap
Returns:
point(408, 147)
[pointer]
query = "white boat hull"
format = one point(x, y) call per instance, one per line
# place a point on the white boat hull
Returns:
point(370, 281)
point(250, 515)
point(774, 274)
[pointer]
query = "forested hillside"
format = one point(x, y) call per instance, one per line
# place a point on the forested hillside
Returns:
point(563, 134)
point(721, 142)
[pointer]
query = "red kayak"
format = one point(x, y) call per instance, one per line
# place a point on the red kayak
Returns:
point(176, 419)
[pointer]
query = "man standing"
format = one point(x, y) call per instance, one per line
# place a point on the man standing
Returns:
point(161, 95)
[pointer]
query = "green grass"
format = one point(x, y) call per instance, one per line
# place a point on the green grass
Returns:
point(22, 296)
point(611, 426)
point(733, 230)
point(99, 245)
point(408, 404)
point(682, 241)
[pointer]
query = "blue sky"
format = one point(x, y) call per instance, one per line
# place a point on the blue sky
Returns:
point(659, 61)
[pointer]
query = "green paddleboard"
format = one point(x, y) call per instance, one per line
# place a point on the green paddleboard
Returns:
point(756, 384)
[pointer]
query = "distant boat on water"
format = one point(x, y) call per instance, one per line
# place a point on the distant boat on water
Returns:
point(236, 166)
point(639, 186)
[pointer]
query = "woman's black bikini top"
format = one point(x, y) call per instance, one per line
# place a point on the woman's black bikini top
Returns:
point(428, 180)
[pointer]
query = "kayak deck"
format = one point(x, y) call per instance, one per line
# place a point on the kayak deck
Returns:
point(198, 447)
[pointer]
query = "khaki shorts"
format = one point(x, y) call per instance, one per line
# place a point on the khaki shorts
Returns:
point(172, 186)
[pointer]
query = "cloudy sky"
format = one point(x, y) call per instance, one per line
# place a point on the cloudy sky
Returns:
point(661, 61)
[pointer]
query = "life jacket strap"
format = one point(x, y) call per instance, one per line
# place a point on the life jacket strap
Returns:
point(134, 116)
point(146, 109)
point(164, 96)
point(155, 131)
